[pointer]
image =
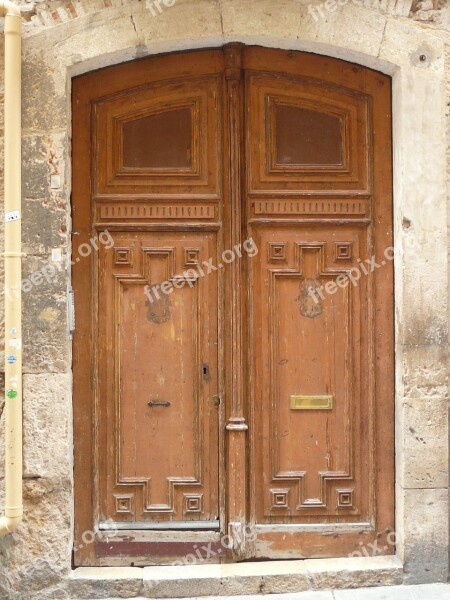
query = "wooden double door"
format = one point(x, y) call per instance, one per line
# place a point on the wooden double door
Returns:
point(233, 351)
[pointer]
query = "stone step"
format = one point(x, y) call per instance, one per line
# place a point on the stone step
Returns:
point(272, 577)
point(435, 591)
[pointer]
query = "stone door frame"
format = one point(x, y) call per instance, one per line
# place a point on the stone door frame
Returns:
point(414, 57)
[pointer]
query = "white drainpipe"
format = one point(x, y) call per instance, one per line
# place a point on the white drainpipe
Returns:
point(13, 270)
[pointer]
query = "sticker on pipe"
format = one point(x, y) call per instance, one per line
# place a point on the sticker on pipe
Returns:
point(15, 343)
point(12, 215)
point(11, 394)
point(12, 359)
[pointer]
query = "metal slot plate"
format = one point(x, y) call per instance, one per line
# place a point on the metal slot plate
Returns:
point(311, 402)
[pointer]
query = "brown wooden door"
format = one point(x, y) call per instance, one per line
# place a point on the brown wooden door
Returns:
point(318, 198)
point(255, 397)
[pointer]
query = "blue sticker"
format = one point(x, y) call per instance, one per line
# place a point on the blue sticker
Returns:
point(12, 359)
point(13, 330)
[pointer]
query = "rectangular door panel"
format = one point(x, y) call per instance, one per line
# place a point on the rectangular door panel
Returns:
point(305, 135)
point(158, 379)
point(308, 376)
point(160, 140)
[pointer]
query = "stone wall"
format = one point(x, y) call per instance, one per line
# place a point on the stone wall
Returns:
point(62, 39)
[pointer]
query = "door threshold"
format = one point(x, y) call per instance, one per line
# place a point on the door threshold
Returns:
point(172, 526)
point(265, 577)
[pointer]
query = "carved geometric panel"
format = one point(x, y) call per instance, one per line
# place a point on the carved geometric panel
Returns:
point(345, 498)
point(158, 264)
point(123, 257)
point(343, 250)
point(277, 251)
point(124, 503)
point(158, 399)
point(279, 498)
point(191, 256)
point(317, 351)
point(193, 503)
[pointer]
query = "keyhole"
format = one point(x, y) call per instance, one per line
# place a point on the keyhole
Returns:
point(206, 372)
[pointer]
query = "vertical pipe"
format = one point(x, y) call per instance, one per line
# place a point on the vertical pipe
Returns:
point(13, 274)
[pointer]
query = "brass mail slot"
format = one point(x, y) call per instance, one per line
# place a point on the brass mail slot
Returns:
point(311, 402)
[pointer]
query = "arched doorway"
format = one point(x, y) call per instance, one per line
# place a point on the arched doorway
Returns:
point(233, 358)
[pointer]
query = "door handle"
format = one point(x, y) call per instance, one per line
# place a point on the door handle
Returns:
point(157, 403)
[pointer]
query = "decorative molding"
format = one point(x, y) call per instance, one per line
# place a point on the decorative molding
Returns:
point(163, 254)
point(236, 424)
point(139, 212)
point(312, 207)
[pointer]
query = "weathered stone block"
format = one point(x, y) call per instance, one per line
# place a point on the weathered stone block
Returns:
point(253, 19)
point(46, 225)
point(405, 592)
point(354, 572)
point(168, 25)
point(349, 26)
point(105, 582)
point(425, 371)
point(42, 157)
point(198, 580)
point(43, 108)
point(424, 430)
point(422, 532)
point(46, 341)
point(48, 425)
point(36, 558)
point(406, 42)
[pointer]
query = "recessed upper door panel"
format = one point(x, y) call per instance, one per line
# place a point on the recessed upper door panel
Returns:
point(159, 141)
point(305, 135)
point(162, 140)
